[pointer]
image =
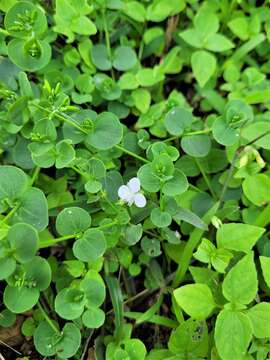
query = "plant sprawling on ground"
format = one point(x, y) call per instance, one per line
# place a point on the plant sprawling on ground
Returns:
point(134, 178)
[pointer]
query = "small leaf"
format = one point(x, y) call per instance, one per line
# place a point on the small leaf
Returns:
point(203, 66)
point(177, 120)
point(260, 319)
point(107, 131)
point(197, 145)
point(124, 58)
point(90, 246)
point(238, 237)
point(240, 284)
point(72, 220)
point(228, 324)
point(265, 265)
point(196, 300)
point(23, 239)
point(260, 182)
point(93, 318)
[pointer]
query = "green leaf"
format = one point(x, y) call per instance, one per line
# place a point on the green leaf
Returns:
point(160, 218)
point(13, 183)
point(133, 234)
point(188, 216)
point(149, 77)
point(240, 284)
point(191, 337)
point(260, 182)
point(72, 220)
point(240, 27)
point(228, 324)
point(31, 55)
point(38, 272)
point(192, 37)
point(83, 25)
point(218, 43)
point(100, 57)
point(257, 130)
point(196, 145)
point(159, 10)
point(177, 120)
point(151, 247)
point(94, 289)
point(124, 58)
point(177, 185)
point(238, 237)
point(7, 267)
point(7, 318)
point(203, 66)
point(33, 209)
point(16, 12)
point(223, 133)
point(142, 99)
point(205, 250)
point(206, 22)
point(20, 299)
point(135, 10)
point(148, 180)
point(93, 318)
point(265, 265)
point(107, 131)
point(23, 239)
point(90, 246)
point(69, 303)
point(67, 344)
point(65, 154)
point(196, 300)
point(117, 302)
point(259, 316)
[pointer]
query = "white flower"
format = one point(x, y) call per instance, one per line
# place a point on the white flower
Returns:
point(131, 194)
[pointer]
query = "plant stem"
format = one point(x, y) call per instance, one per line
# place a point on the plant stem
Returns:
point(10, 214)
point(190, 246)
point(208, 183)
point(78, 171)
point(51, 242)
point(198, 132)
point(228, 178)
point(49, 321)
point(132, 154)
point(107, 38)
point(60, 116)
point(35, 175)
point(77, 126)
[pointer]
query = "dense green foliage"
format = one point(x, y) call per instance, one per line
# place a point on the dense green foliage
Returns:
point(134, 178)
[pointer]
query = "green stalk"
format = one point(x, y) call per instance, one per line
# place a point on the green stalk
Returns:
point(35, 175)
point(208, 183)
point(10, 214)
point(51, 242)
point(190, 246)
point(61, 117)
point(131, 153)
point(49, 321)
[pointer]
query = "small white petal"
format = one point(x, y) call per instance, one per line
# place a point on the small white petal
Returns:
point(124, 193)
point(140, 200)
point(134, 184)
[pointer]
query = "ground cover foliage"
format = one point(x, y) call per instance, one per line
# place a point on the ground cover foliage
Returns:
point(134, 179)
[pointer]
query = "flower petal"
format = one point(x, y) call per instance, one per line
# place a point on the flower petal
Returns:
point(124, 193)
point(134, 184)
point(140, 200)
